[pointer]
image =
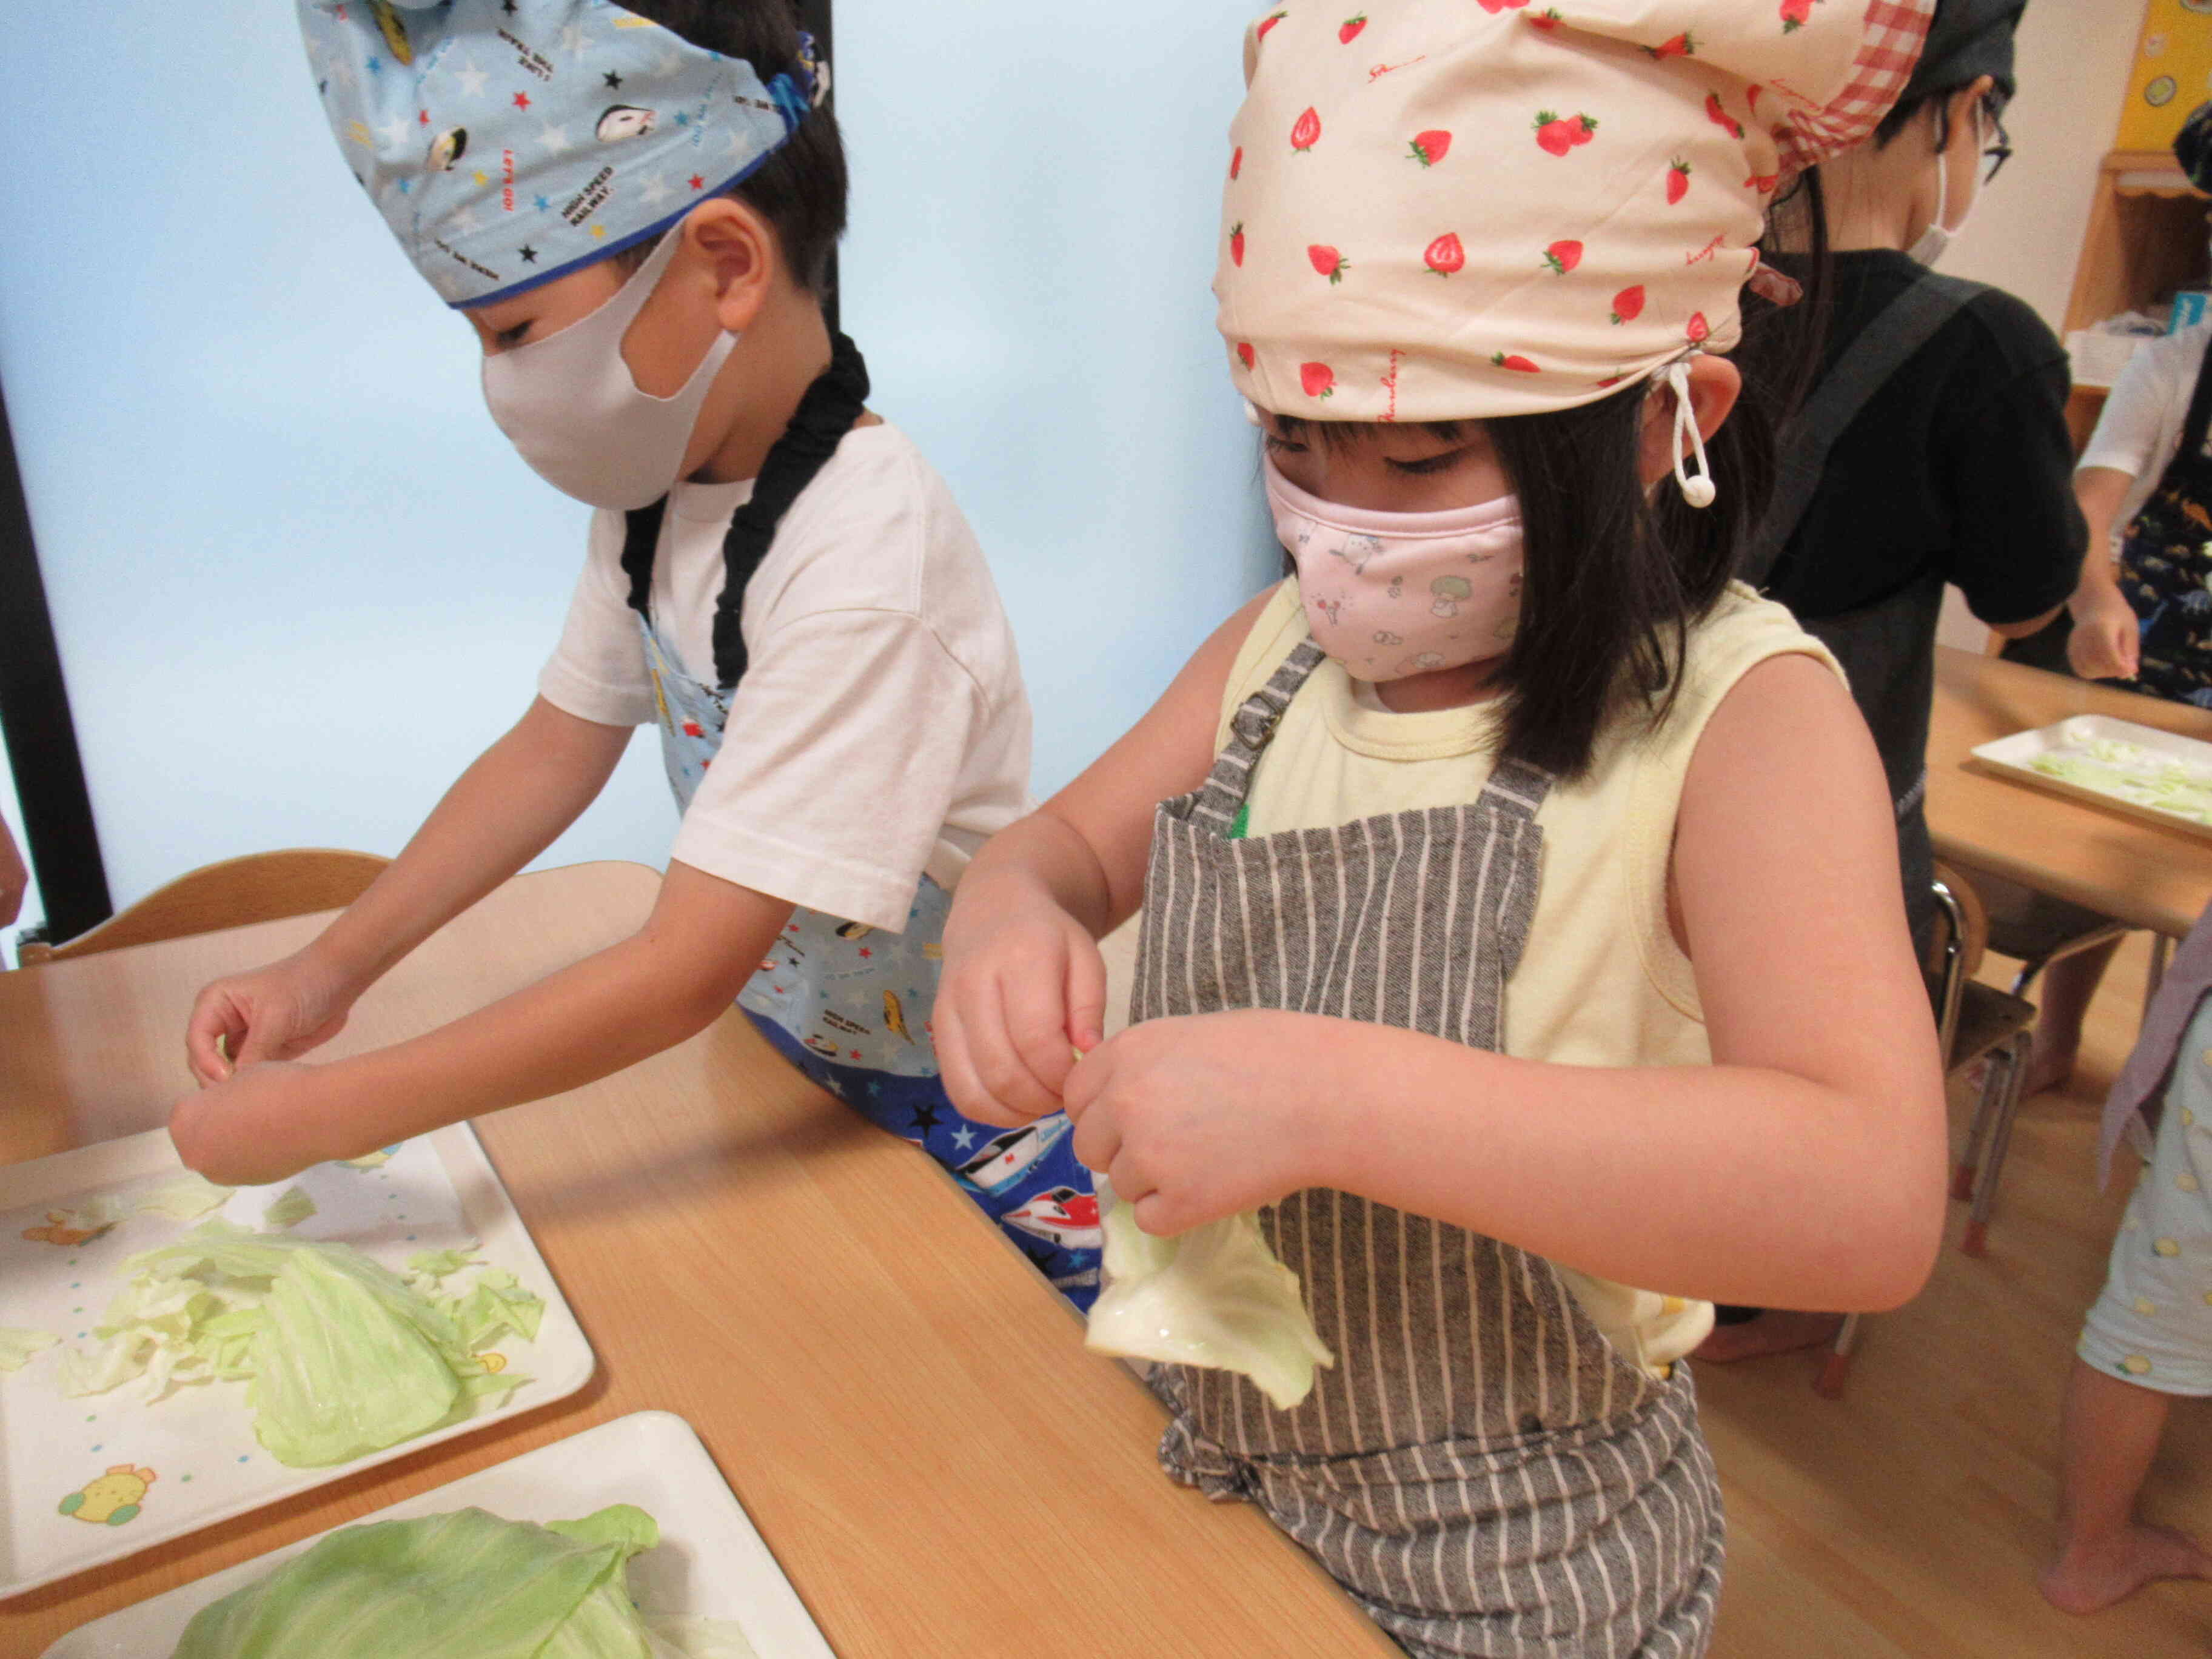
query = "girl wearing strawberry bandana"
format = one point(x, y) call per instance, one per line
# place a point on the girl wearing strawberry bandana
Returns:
point(1505, 849)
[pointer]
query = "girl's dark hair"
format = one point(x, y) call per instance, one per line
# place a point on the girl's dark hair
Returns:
point(1614, 576)
point(800, 189)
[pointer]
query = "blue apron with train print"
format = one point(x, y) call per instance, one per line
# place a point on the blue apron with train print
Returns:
point(846, 1003)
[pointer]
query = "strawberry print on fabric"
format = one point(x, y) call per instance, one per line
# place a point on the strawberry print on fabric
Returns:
point(1519, 365)
point(1677, 181)
point(1699, 329)
point(1493, 7)
point(1269, 22)
point(1244, 353)
point(1445, 255)
point(1236, 161)
point(1557, 136)
point(1563, 256)
point(1431, 146)
point(1318, 379)
point(1795, 13)
point(1628, 304)
point(1237, 243)
point(1683, 45)
point(1720, 118)
point(1329, 262)
point(1548, 20)
point(1305, 131)
point(1348, 31)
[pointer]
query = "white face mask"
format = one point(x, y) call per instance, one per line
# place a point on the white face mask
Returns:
point(1938, 237)
point(570, 407)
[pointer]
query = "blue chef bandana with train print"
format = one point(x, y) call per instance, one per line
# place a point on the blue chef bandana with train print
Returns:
point(510, 141)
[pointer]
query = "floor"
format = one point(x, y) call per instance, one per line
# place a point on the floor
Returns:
point(1909, 1518)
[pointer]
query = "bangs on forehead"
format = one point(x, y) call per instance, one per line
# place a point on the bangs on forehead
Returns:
point(1339, 435)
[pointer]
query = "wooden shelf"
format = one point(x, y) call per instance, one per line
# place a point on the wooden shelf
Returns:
point(2147, 237)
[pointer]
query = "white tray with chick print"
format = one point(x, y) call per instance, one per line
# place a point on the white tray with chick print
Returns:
point(710, 1564)
point(89, 1480)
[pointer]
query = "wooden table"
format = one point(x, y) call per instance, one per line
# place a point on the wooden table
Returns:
point(2145, 874)
point(904, 1408)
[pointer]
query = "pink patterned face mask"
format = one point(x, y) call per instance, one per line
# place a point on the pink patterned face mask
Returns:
point(1389, 595)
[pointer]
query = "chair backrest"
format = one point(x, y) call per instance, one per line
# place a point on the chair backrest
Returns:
point(260, 887)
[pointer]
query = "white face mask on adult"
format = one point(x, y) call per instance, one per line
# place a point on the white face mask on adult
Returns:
point(571, 408)
point(1938, 237)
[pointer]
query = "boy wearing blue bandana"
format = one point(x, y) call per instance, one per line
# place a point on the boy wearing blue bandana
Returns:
point(635, 209)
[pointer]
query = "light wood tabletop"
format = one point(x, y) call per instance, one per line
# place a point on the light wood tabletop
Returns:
point(904, 1408)
point(2144, 874)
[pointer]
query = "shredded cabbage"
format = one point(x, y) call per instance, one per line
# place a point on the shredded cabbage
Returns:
point(185, 1197)
point(341, 1357)
point(289, 1210)
point(17, 1347)
point(2112, 766)
point(466, 1585)
point(1215, 1296)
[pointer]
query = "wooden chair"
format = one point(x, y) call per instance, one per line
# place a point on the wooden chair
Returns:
point(1973, 1022)
point(260, 887)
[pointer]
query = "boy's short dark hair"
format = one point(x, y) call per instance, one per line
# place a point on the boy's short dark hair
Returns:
point(800, 189)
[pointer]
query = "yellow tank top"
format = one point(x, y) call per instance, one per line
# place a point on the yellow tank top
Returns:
point(1601, 982)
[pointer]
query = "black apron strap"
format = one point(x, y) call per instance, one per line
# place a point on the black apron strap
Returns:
point(834, 400)
point(838, 398)
point(1885, 345)
point(640, 534)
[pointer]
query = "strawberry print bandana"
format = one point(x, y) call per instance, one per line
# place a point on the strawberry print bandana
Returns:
point(510, 141)
point(1445, 209)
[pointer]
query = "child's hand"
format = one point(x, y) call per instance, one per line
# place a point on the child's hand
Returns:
point(258, 1127)
point(2107, 640)
point(1205, 1115)
point(277, 1012)
point(1024, 989)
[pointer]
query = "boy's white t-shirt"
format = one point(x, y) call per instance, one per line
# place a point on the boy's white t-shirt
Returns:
point(880, 731)
point(2139, 431)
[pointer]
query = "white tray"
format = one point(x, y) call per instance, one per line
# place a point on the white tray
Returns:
point(2014, 758)
point(710, 1563)
point(436, 1192)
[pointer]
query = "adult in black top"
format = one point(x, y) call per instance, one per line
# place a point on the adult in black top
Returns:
point(1956, 468)
point(1959, 470)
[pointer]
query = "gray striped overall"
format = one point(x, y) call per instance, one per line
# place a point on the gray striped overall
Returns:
point(1480, 1468)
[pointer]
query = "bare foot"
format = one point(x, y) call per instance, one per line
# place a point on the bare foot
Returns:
point(2094, 1573)
point(1776, 1330)
point(2047, 1068)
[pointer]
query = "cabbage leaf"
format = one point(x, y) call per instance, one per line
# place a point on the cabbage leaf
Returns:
point(466, 1585)
point(1214, 1296)
point(341, 1357)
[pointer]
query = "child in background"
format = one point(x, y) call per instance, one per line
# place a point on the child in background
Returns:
point(1510, 845)
point(2148, 1336)
point(636, 209)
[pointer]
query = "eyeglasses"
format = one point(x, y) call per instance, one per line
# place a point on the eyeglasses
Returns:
point(1998, 154)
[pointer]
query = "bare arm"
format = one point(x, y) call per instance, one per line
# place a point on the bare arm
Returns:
point(14, 879)
point(1023, 983)
point(504, 811)
point(1803, 1168)
point(664, 984)
point(2105, 642)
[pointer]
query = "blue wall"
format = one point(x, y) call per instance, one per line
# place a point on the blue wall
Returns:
point(300, 580)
